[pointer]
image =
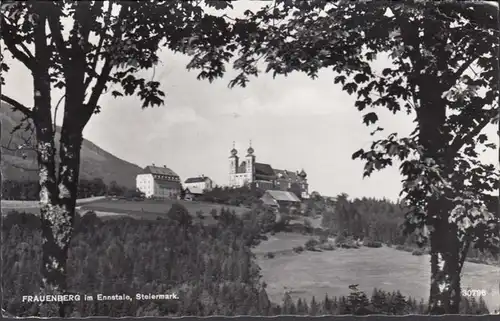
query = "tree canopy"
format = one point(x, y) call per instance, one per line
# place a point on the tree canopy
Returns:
point(443, 71)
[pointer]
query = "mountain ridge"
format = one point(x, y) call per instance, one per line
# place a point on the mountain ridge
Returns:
point(95, 162)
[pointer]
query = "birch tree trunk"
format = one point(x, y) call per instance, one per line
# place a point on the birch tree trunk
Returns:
point(57, 192)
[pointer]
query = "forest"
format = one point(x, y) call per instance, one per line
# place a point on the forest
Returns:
point(210, 267)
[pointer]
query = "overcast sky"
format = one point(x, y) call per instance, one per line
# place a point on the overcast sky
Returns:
point(293, 122)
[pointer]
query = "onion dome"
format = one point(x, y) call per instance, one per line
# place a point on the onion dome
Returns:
point(250, 150)
point(234, 152)
point(302, 174)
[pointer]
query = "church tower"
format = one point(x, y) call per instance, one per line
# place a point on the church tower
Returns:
point(233, 166)
point(250, 164)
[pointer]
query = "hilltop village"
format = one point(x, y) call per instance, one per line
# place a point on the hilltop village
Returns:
point(279, 184)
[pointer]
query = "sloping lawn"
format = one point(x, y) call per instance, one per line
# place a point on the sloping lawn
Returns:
point(317, 273)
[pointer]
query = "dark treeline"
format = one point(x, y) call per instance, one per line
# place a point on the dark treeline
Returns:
point(210, 267)
point(242, 196)
point(28, 190)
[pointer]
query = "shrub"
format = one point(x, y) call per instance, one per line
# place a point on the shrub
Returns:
point(323, 237)
point(311, 244)
point(340, 239)
point(270, 255)
point(298, 249)
point(417, 252)
point(180, 214)
point(199, 214)
point(327, 247)
point(370, 243)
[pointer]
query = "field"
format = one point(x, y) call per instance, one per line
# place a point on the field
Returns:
point(32, 206)
point(317, 273)
point(148, 209)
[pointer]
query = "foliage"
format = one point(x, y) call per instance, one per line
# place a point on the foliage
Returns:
point(85, 49)
point(242, 196)
point(210, 267)
point(443, 71)
point(311, 244)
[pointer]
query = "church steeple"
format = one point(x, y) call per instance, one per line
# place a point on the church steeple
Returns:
point(250, 149)
point(234, 152)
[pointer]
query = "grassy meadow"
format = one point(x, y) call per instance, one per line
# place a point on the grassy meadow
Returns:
point(316, 273)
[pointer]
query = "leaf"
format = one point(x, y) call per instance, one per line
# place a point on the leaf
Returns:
point(482, 138)
point(116, 93)
point(339, 79)
point(358, 154)
point(350, 88)
point(370, 118)
point(361, 78)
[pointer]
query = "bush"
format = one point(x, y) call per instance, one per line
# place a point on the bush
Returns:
point(327, 247)
point(417, 252)
point(269, 255)
point(340, 239)
point(311, 244)
point(199, 214)
point(370, 243)
point(298, 249)
point(323, 237)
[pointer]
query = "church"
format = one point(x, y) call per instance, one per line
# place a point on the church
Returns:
point(264, 176)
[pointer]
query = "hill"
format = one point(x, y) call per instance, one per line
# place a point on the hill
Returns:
point(95, 162)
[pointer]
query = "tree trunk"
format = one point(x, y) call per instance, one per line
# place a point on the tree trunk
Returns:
point(445, 264)
point(445, 246)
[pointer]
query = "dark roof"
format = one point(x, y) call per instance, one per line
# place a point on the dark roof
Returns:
point(263, 169)
point(159, 171)
point(196, 179)
point(285, 174)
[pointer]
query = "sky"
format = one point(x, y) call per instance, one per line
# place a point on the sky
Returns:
point(293, 122)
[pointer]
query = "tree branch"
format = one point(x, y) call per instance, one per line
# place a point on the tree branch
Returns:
point(9, 39)
point(17, 106)
point(55, 112)
point(99, 46)
point(459, 141)
point(55, 28)
point(106, 70)
point(454, 77)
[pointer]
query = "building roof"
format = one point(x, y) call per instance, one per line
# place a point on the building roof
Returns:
point(285, 174)
point(264, 169)
point(283, 196)
point(199, 179)
point(159, 171)
point(194, 190)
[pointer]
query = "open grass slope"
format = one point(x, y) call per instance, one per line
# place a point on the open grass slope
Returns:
point(317, 273)
point(95, 162)
point(149, 208)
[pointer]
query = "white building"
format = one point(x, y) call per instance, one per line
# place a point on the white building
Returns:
point(200, 183)
point(159, 182)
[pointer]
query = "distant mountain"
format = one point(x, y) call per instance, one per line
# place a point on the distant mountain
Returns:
point(95, 162)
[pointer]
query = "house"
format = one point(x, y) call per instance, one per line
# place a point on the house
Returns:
point(191, 193)
point(159, 182)
point(281, 200)
point(264, 176)
point(201, 182)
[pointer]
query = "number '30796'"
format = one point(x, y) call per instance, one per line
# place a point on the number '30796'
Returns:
point(473, 292)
